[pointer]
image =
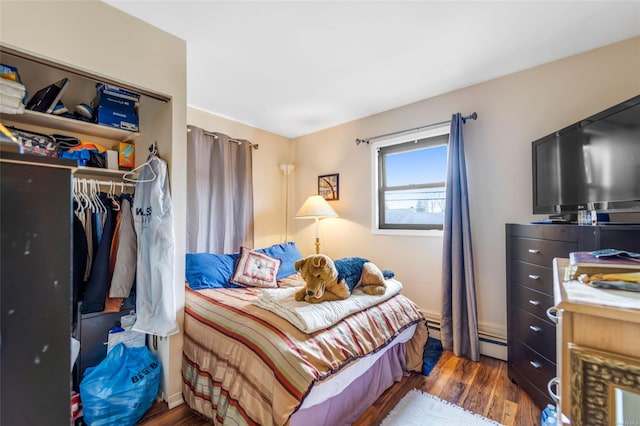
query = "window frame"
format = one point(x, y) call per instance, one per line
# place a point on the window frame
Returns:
point(428, 133)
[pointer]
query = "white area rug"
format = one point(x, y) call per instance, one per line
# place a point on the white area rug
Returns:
point(419, 408)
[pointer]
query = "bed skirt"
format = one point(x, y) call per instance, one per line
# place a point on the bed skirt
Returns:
point(344, 408)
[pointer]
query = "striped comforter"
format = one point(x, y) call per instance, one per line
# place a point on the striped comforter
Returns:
point(245, 365)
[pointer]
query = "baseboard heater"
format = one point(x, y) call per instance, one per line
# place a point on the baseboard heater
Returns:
point(492, 343)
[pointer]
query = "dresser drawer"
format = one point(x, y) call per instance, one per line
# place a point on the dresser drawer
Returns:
point(531, 301)
point(537, 333)
point(540, 252)
point(537, 369)
point(532, 276)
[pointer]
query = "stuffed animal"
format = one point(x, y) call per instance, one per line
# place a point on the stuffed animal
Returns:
point(329, 280)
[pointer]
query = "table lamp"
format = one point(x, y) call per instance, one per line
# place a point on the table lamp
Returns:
point(316, 207)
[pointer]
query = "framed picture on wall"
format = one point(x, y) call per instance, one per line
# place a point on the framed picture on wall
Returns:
point(329, 186)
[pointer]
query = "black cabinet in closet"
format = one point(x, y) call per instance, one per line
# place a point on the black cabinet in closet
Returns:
point(35, 297)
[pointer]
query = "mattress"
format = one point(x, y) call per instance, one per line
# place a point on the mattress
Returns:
point(246, 365)
point(328, 388)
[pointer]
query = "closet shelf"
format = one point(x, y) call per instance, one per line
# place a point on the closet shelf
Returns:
point(68, 124)
point(85, 171)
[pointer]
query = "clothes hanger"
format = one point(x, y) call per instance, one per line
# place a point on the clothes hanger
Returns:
point(84, 192)
point(79, 210)
point(153, 152)
point(95, 196)
point(115, 204)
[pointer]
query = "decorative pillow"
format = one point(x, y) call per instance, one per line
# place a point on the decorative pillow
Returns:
point(207, 270)
point(288, 253)
point(255, 269)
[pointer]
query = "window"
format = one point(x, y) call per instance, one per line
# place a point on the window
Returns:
point(411, 172)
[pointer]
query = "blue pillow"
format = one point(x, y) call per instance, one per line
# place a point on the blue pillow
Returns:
point(288, 253)
point(207, 270)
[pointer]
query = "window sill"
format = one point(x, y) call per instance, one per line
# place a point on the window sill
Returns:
point(409, 232)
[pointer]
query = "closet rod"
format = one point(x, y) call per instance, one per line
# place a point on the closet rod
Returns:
point(238, 141)
point(108, 182)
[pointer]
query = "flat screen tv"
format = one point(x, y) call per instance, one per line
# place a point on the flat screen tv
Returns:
point(590, 165)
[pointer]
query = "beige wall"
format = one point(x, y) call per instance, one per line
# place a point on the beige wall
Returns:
point(269, 183)
point(121, 48)
point(512, 112)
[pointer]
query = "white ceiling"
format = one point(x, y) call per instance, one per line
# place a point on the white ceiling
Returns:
point(295, 67)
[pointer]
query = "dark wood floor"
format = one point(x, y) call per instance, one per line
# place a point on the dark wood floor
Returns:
point(482, 387)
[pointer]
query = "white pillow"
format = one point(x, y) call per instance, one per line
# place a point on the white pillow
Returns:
point(255, 269)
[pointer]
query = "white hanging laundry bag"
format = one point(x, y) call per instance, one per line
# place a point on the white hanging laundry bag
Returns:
point(153, 220)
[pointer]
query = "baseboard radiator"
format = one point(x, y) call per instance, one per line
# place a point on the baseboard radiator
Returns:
point(493, 343)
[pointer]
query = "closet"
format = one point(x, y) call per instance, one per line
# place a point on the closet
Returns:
point(38, 301)
point(94, 317)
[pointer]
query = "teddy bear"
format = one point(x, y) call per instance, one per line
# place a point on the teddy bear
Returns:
point(328, 280)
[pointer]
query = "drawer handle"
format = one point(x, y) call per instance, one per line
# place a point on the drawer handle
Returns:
point(534, 302)
point(553, 382)
point(535, 328)
point(552, 314)
point(534, 277)
point(535, 364)
point(533, 251)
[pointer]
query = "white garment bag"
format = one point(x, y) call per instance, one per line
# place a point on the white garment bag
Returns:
point(153, 220)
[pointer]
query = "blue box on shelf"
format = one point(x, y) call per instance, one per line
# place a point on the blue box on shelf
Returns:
point(115, 118)
point(115, 103)
point(117, 91)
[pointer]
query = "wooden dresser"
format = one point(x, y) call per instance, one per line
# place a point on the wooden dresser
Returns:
point(531, 334)
point(598, 344)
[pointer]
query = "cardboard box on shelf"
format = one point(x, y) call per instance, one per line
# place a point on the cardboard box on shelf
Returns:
point(126, 155)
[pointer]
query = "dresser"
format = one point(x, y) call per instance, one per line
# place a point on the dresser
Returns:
point(598, 351)
point(531, 333)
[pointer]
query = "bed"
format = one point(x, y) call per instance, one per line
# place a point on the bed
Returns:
point(245, 364)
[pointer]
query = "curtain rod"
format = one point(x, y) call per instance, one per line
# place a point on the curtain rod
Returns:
point(238, 141)
point(367, 141)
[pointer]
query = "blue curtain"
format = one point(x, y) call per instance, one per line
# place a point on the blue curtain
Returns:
point(459, 321)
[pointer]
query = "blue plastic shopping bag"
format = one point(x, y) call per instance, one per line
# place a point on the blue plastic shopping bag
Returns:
point(120, 389)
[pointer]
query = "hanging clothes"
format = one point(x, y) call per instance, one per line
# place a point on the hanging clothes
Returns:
point(88, 229)
point(124, 270)
point(153, 219)
point(113, 304)
point(97, 285)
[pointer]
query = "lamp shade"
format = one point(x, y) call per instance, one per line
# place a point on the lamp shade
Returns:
point(315, 207)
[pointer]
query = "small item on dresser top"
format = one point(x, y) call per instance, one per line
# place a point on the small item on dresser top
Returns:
point(601, 261)
point(618, 281)
point(614, 253)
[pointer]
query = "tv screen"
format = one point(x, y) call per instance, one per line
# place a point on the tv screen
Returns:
point(590, 165)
